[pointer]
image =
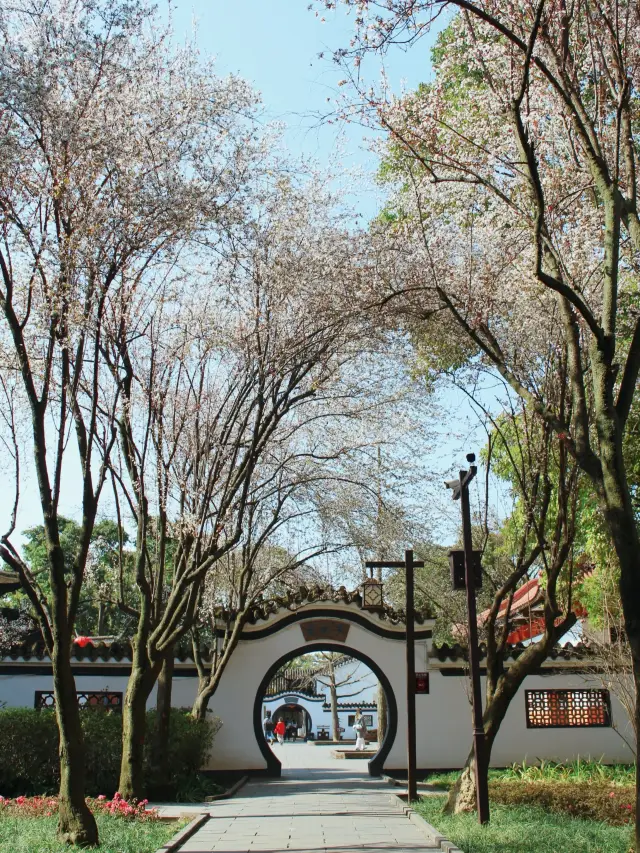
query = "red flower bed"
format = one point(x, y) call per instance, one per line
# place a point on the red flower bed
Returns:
point(47, 806)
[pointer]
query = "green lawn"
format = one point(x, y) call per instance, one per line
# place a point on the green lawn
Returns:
point(525, 829)
point(38, 835)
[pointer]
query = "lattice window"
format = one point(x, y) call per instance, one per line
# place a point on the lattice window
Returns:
point(368, 720)
point(107, 699)
point(557, 709)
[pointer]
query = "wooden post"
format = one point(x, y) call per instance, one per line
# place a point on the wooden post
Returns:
point(412, 790)
point(482, 793)
point(409, 565)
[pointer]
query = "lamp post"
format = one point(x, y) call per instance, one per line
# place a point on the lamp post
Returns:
point(461, 490)
point(409, 564)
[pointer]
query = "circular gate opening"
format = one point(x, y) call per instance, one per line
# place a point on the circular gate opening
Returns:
point(312, 724)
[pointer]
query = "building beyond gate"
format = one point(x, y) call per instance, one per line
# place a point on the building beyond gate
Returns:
point(561, 712)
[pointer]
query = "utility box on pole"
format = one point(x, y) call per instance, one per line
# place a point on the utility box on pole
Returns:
point(456, 561)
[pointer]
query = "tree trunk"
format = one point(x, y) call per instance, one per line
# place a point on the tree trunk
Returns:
point(206, 688)
point(627, 547)
point(102, 618)
point(208, 685)
point(621, 522)
point(462, 797)
point(200, 705)
point(143, 676)
point(335, 720)
point(382, 712)
point(76, 823)
point(163, 722)
point(636, 676)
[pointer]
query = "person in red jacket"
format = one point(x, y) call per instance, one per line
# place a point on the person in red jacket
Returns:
point(280, 730)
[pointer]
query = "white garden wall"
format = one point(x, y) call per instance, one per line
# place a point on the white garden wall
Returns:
point(443, 715)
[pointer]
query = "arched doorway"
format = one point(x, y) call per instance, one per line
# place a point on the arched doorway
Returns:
point(295, 717)
point(377, 762)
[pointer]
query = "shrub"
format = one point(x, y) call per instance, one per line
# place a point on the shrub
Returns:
point(29, 754)
point(190, 742)
point(601, 801)
point(102, 732)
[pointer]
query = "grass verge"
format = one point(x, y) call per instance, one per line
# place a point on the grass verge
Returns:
point(38, 835)
point(550, 771)
point(525, 829)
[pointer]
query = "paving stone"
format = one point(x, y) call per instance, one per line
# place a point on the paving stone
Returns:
point(318, 806)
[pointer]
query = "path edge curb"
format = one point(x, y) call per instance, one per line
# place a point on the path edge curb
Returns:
point(231, 792)
point(175, 843)
point(429, 831)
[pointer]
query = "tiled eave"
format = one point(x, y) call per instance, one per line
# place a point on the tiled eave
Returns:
point(568, 656)
point(352, 706)
point(278, 697)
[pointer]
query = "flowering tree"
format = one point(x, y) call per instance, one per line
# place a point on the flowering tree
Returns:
point(218, 390)
point(262, 566)
point(109, 160)
point(521, 160)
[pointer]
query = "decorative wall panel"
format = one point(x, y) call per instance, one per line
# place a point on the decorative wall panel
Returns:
point(556, 709)
point(107, 699)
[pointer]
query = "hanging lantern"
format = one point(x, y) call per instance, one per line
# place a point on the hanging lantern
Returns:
point(372, 594)
point(83, 641)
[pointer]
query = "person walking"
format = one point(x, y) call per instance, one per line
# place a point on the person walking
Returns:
point(267, 725)
point(360, 728)
point(280, 730)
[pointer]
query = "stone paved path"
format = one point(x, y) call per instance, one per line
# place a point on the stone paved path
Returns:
point(335, 808)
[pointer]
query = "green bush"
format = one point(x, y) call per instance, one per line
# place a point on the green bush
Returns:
point(29, 753)
point(190, 742)
point(102, 733)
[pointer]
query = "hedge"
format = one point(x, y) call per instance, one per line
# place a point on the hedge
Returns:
point(29, 750)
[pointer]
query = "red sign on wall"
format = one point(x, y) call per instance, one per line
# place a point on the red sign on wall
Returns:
point(422, 682)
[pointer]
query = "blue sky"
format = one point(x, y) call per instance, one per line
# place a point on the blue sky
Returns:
point(274, 44)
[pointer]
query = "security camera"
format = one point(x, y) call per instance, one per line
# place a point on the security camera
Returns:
point(455, 485)
point(471, 458)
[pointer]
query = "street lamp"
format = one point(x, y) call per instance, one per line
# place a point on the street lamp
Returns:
point(461, 491)
point(372, 598)
point(408, 564)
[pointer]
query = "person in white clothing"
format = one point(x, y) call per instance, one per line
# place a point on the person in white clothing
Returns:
point(360, 728)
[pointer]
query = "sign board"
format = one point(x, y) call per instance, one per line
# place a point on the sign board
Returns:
point(422, 682)
point(325, 629)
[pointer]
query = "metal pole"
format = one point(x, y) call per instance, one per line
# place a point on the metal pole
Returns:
point(482, 793)
point(412, 790)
